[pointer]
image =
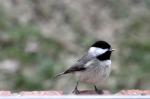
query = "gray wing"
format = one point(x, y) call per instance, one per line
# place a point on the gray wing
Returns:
point(79, 66)
point(86, 58)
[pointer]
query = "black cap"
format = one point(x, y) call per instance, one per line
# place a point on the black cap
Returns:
point(101, 44)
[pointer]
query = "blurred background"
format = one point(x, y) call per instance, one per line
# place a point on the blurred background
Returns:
point(40, 38)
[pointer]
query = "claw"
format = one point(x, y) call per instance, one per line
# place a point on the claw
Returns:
point(98, 91)
point(76, 91)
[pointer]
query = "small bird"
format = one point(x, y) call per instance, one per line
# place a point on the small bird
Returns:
point(94, 67)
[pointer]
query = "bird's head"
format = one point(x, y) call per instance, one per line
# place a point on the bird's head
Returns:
point(101, 49)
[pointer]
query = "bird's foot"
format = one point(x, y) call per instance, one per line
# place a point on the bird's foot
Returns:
point(98, 91)
point(76, 91)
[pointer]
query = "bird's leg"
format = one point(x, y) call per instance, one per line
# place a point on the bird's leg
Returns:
point(98, 91)
point(76, 91)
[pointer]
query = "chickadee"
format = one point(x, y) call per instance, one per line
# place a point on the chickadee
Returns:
point(94, 67)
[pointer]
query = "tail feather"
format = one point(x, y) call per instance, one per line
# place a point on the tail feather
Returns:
point(60, 74)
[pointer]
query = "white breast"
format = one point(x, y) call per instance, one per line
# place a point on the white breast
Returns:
point(96, 72)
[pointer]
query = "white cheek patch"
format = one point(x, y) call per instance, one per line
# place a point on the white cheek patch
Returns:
point(96, 51)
